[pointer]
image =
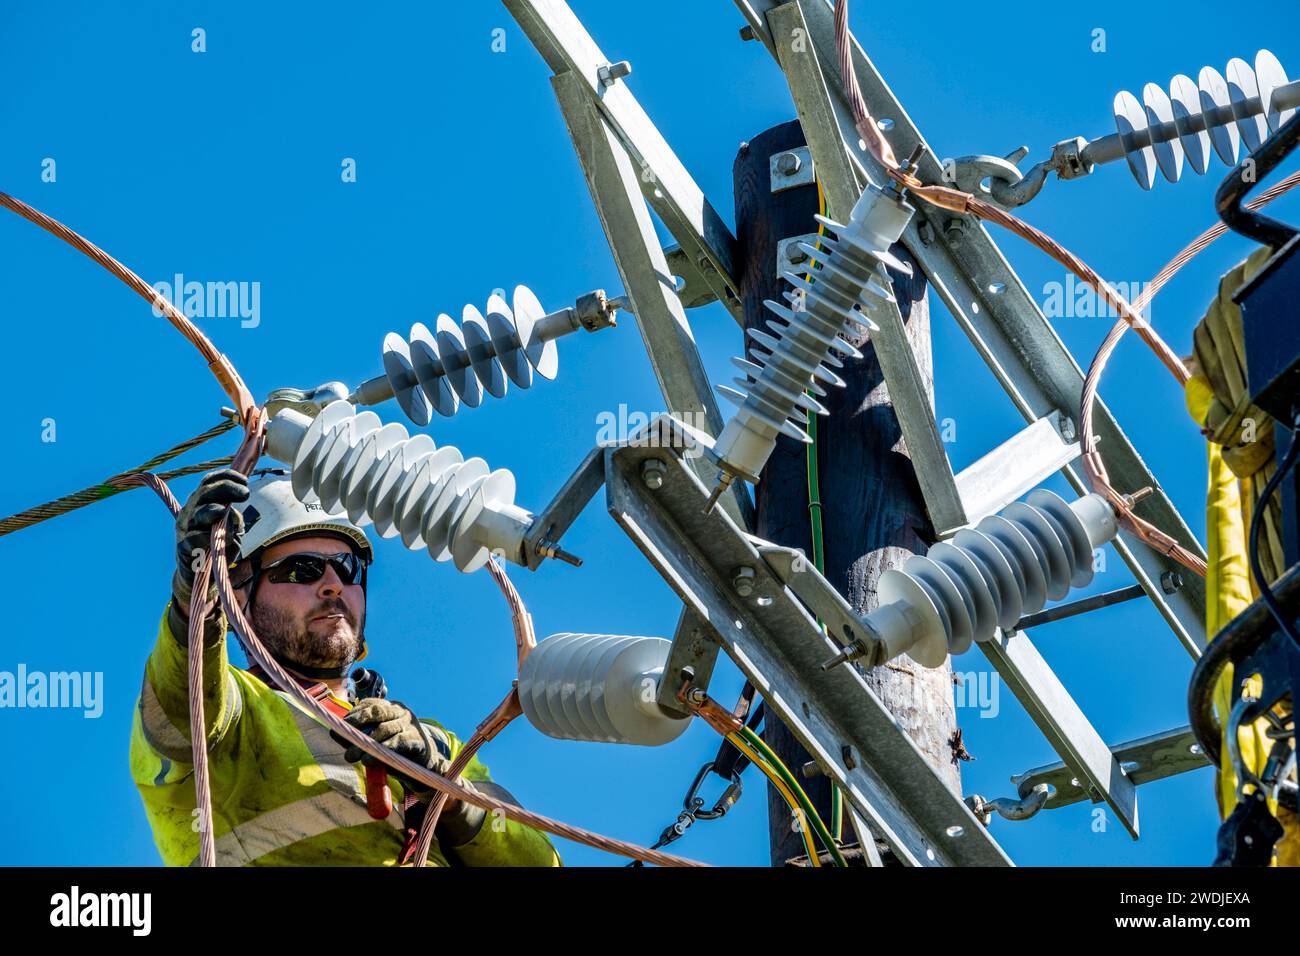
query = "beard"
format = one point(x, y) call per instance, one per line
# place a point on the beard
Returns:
point(291, 639)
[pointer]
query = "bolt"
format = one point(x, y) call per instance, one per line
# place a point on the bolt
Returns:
point(794, 254)
point(954, 230)
point(697, 695)
point(810, 770)
point(611, 72)
point(1133, 499)
point(1171, 581)
point(653, 471)
point(742, 579)
point(747, 32)
point(846, 754)
point(787, 164)
point(549, 549)
point(1067, 428)
point(926, 232)
point(913, 160)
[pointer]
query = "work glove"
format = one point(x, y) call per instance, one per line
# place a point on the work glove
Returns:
point(205, 507)
point(393, 724)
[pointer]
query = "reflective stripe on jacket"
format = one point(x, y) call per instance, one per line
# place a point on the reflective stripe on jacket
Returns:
point(281, 792)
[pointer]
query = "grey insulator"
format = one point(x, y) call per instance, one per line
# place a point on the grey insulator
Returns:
point(1215, 110)
point(847, 285)
point(437, 370)
point(459, 510)
point(599, 687)
point(1008, 565)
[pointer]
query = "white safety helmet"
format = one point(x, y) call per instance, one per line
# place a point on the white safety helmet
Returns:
point(273, 513)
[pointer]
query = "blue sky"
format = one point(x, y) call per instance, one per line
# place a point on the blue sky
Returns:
point(225, 166)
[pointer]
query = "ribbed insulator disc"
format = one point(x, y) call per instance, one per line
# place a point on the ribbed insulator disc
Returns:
point(1131, 123)
point(542, 355)
point(1214, 95)
point(1185, 100)
point(1160, 110)
point(429, 370)
point(1270, 75)
point(1242, 87)
point(478, 341)
point(1057, 510)
point(387, 492)
point(505, 337)
point(455, 361)
point(400, 370)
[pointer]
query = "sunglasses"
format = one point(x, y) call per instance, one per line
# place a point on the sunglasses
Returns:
point(308, 567)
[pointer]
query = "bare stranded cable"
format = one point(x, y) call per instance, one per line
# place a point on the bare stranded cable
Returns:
point(252, 418)
point(114, 485)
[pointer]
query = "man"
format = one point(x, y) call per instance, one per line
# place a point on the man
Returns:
point(285, 792)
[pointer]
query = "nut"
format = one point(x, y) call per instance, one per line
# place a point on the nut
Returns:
point(653, 471)
point(742, 579)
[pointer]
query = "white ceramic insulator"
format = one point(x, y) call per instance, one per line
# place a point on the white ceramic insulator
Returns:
point(457, 362)
point(599, 687)
point(432, 497)
point(847, 285)
point(986, 577)
point(1188, 100)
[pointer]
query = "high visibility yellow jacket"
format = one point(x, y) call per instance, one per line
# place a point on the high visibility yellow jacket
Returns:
point(281, 793)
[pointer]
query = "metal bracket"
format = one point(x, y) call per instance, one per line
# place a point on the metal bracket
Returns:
point(1022, 462)
point(693, 290)
point(810, 586)
point(778, 646)
point(792, 168)
point(1144, 760)
point(549, 526)
point(693, 647)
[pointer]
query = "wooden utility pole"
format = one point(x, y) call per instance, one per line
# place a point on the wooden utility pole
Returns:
point(873, 516)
